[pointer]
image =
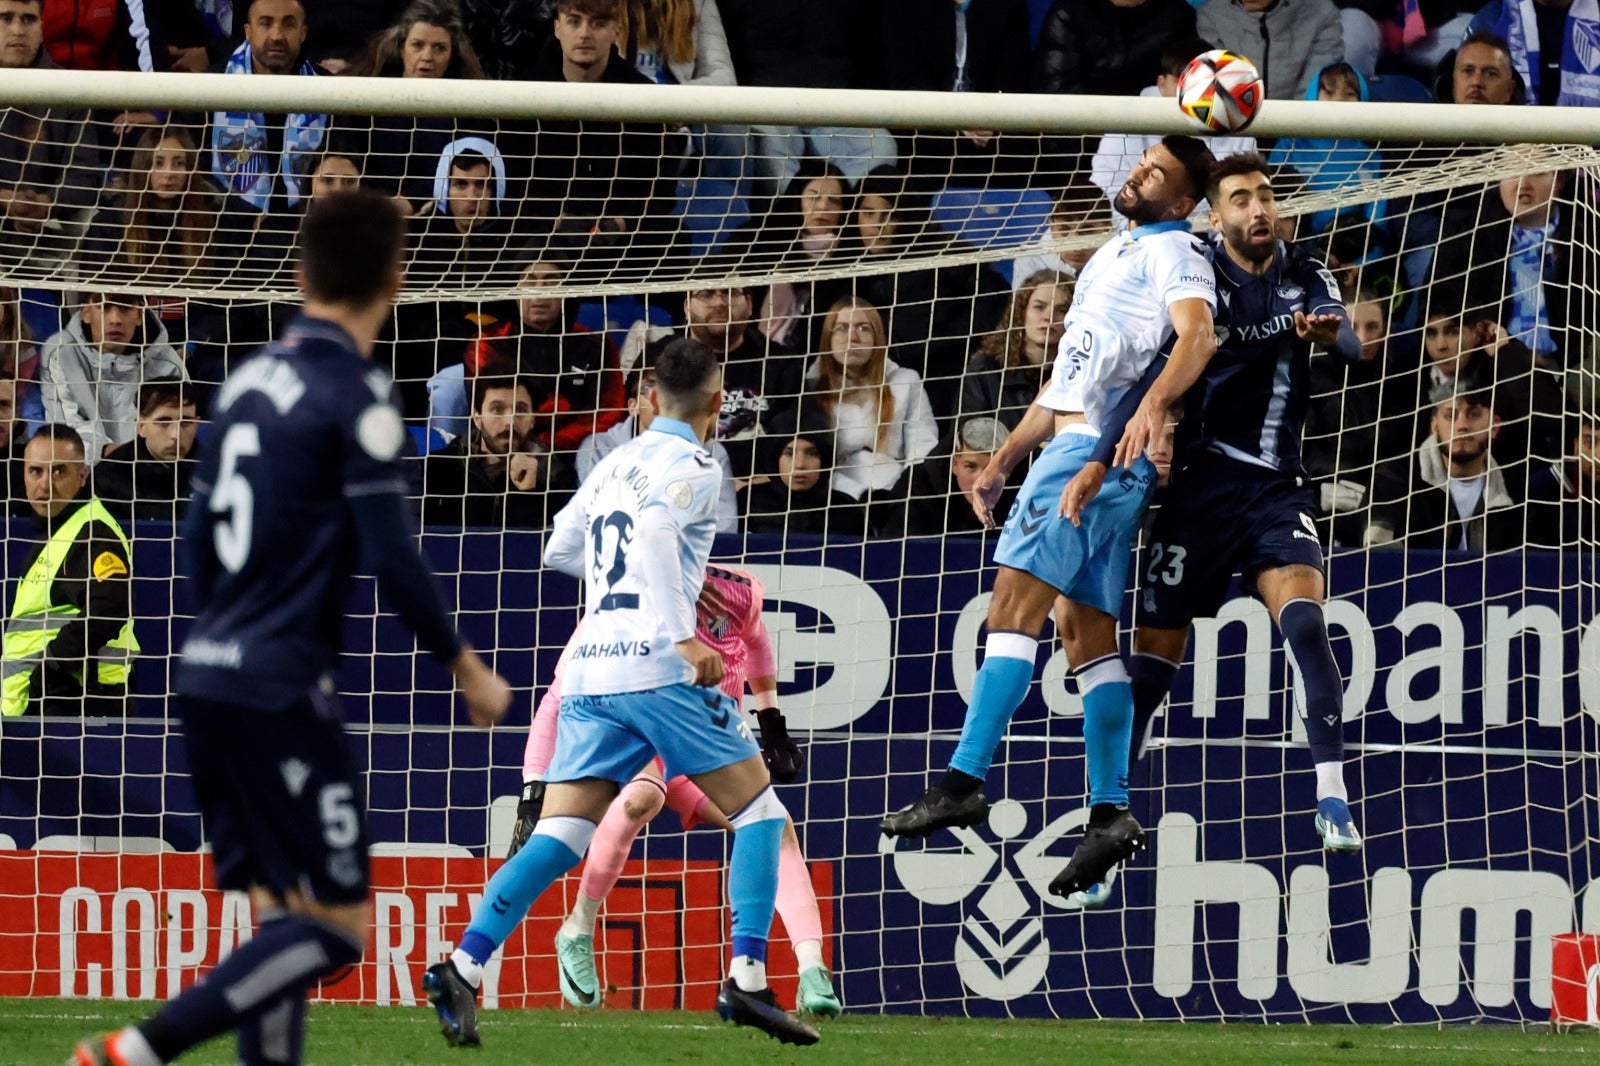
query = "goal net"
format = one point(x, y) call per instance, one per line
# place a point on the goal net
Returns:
point(889, 301)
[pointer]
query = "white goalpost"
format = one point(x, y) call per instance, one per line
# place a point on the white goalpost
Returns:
point(1468, 244)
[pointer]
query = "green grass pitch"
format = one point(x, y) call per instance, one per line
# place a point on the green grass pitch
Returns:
point(42, 1031)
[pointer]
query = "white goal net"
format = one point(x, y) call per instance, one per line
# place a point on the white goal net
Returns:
point(889, 301)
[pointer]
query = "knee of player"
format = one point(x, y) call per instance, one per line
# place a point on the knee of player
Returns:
point(642, 801)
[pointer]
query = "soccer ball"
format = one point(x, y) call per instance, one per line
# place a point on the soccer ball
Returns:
point(1221, 91)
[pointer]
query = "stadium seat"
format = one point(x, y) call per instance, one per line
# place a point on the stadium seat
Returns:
point(427, 440)
point(1397, 89)
point(710, 210)
point(987, 218)
point(615, 315)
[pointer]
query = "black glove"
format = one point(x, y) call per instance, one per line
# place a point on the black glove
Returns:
point(785, 759)
point(528, 809)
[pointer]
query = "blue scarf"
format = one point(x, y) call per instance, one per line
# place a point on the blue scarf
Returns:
point(1580, 51)
point(239, 142)
point(1532, 257)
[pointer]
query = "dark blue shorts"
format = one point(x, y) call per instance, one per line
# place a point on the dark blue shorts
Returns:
point(1221, 517)
point(281, 800)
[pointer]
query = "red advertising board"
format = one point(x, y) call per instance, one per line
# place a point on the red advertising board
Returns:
point(108, 925)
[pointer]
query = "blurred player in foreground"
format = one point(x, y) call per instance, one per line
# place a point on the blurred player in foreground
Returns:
point(727, 620)
point(639, 683)
point(304, 478)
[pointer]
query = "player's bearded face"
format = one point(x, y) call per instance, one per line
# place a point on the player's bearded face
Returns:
point(1247, 216)
point(1151, 189)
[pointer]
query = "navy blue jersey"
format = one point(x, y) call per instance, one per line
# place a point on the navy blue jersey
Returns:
point(301, 430)
point(1250, 402)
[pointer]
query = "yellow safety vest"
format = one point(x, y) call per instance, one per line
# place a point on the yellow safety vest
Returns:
point(35, 621)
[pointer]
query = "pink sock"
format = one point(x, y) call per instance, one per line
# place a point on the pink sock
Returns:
point(797, 900)
point(542, 736)
point(635, 805)
point(685, 797)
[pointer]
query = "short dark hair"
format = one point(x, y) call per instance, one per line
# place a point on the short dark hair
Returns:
point(684, 368)
point(1176, 56)
point(350, 244)
point(1234, 165)
point(470, 160)
point(64, 433)
point(305, 9)
point(160, 391)
point(1337, 72)
point(1196, 158)
point(494, 377)
point(592, 8)
point(1485, 37)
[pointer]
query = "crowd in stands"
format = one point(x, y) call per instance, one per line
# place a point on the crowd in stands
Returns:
point(870, 381)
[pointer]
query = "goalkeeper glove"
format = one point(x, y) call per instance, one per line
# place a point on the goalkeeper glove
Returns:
point(528, 809)
point(785, 759)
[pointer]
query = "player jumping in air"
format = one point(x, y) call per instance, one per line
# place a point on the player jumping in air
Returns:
point(304, 476)
point(1147, 289)
point(1239, 499)
point(639, 684)
point(727, 620)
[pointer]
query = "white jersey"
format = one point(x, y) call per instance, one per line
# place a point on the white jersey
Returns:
point(1120, 316)
point(639, 534)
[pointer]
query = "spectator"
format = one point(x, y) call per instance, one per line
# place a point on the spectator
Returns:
point(19, 360)
point(1289, 40)
point(793, 490)
point(1561, 495)
point(1450, 493)
point(161, 229)
point(1550, 47)
point(496, 474)
point(977, 46)
point(264, 159)
point(606, 187)
point(1346, 433)
point(879, 411)
point(641, 412)
point(938, 501)
point(69, 640)
point(1326, 164)
point(1118, 153)
point(1013, 361)
point(508, 35)
point(1481, 71)
point(931, 313)
point(822, 44)
point(803, 229)
point(90, 372)
point(428, 41)
point(115, 35)
point(570, 373)
point(761, 379)
point(50, 167)
point(1521, 253)
point(151, 473)
point(1418, 37)
point(1079, 211)
point(13, 441)
point(1108, 47)
point(679, 42)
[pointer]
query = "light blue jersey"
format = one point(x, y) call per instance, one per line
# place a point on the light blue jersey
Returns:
point(638, 534)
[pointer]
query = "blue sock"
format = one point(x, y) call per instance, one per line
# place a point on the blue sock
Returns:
point(753, 873)
point(1319, 693)
point(282, 961)
point(554, 848)
point(1107, 727)
point(1151, 678)
point(999, 689)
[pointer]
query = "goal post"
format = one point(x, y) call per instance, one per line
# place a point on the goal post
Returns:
point(1472, 675)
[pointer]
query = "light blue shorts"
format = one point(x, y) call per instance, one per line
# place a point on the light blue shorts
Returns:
point(1087, 563)
point(695, 730)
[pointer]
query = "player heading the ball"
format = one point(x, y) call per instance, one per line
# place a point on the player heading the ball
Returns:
point(304, 478)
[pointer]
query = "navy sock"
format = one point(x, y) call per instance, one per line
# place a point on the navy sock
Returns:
point(1319, 692)
point(284, 959)
point(1151, 677)
point(276, 1036)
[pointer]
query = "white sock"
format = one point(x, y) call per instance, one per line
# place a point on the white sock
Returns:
point(585, 912)
point(471, 972)
point(808, 953)
point(1330, 781)
point(749, 974)
point(134, 1048)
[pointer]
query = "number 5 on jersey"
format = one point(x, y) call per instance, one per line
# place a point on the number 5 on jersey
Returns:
point(234, 497)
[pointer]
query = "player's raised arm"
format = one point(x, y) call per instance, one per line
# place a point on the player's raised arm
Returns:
point(1194, 345)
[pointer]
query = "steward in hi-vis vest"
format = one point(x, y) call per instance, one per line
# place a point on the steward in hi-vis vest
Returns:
point(68, 644)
